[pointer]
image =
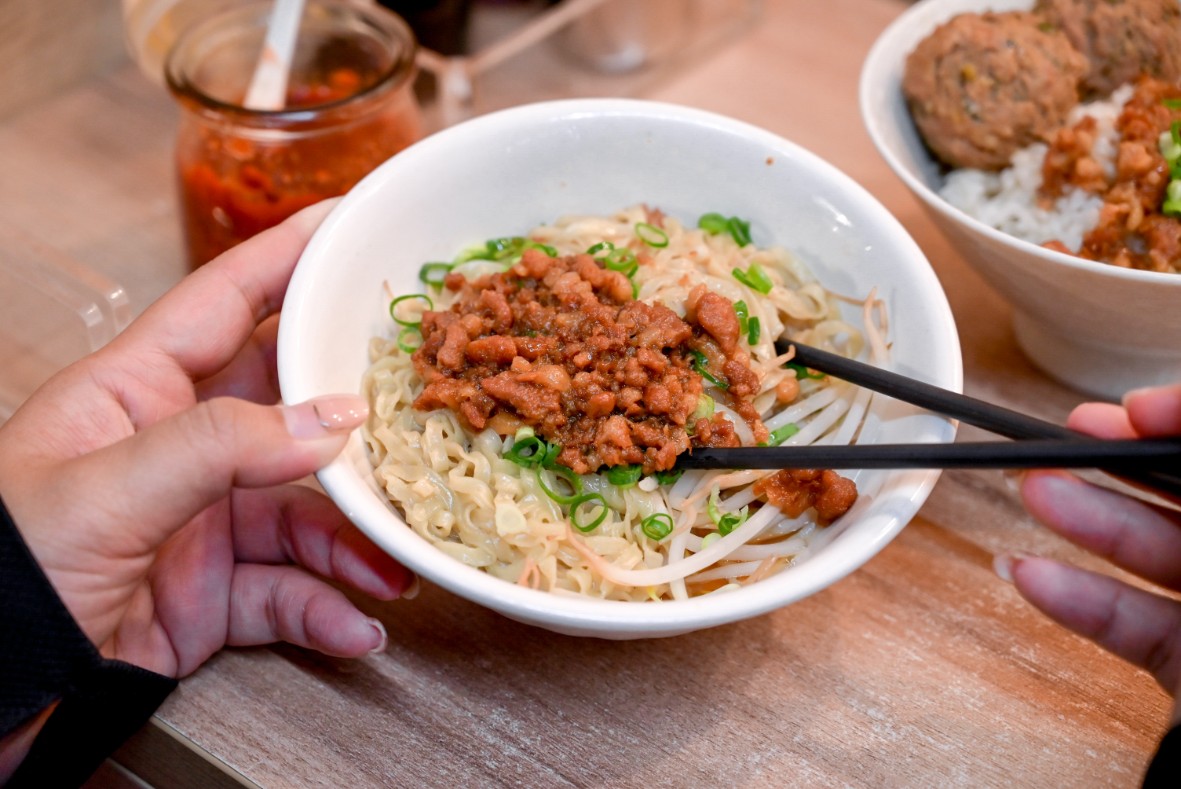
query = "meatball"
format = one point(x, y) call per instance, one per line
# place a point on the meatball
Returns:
point(1121, 39)
point(983, 86)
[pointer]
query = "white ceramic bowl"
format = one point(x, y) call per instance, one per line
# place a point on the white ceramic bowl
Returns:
point(1098, 328)
point(504, 173)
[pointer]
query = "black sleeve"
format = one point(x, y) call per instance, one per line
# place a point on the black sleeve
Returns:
point(1166, 764)
point(45, 658)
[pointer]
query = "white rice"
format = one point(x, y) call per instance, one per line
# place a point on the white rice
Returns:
point(1007, 200)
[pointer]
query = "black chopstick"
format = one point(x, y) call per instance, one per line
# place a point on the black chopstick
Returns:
point(993, 418)
point(988, 416)
point(1126, 456)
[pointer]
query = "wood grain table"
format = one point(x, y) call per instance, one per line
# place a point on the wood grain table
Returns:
point(920, 669)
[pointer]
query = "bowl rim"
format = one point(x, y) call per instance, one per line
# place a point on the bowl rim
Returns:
point(593, 615)
point(877, 75)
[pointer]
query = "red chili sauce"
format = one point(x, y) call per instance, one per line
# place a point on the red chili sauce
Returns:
point(236, 181)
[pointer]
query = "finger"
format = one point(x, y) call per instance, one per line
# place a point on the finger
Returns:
point(1155, 412)
point(251, 374)
point(294, 523)
point(1103, 420)
point(202, 323)
point(269, 604)
point(1142, 628)
point(1140, 538)
point(149, 484)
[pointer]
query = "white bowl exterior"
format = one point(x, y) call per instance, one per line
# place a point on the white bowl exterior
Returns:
point(504, 173)
point(1099, 328)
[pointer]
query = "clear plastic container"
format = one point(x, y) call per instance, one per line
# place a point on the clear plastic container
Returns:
point(54, 312)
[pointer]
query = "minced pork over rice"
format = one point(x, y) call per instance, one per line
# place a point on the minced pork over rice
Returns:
point(1007, 200)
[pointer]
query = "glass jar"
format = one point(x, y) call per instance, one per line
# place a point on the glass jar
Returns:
point(151, 27)
point(350, 106)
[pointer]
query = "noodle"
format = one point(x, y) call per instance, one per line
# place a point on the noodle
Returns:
point(457, 490)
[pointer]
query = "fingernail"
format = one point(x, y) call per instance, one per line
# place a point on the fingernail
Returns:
point(324, 416)
point(1013, 478)
point(1132, 394)
point(411, 590)
point(384, 638)
point(1003, 564)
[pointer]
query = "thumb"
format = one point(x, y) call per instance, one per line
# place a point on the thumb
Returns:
point(149, 485)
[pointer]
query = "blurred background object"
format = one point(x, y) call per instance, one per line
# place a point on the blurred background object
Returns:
point(440, 25)
point(151, 27)
point(477, 56)
point(54, 311)
point(47, 47)
point(510, 52)
point(619, 36)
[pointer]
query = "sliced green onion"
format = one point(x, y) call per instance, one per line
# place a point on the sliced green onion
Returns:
point(651, 235)
point(1168, 147)
point(500, 248)
point(1173, 104)
point(575, 515)
point(715, 224)
point(624, 476)
point(669, 477)
point(406, 337)
point(739, 231)
point(572, 479)
point(780, 434)
point(754, 277)
point(430, 305)
point(704, 409)
point(732, 520)
point(621, 260)
point(527, 451)
point(743, 313)
point(753, 331)
point(530, 451)
point(699, 364)
point(712, 223)
point(434, 273)
point(657, 526)
point(803, 372)
point(726, 522)
point(550, 458)
point(1172, 204)
point(504, 250)
point(746, 324)
point(741, 310)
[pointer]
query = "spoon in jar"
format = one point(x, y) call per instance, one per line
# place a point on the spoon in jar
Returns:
point(268, 86)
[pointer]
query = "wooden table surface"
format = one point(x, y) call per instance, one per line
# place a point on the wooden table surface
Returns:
point(921, 669)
